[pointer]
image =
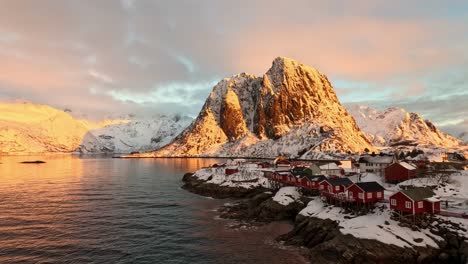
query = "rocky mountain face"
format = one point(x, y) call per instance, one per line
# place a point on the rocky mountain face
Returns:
point(291, 110)
point(463, 136)
point(27, 128)
point(397, 127)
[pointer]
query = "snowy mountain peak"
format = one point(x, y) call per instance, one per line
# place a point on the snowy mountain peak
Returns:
point(32, 128)
point(395, 126)
point(249, 115)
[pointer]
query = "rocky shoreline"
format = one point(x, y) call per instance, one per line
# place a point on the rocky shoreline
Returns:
point(322, 237)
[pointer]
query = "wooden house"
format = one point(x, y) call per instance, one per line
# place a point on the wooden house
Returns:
point(398, 172)
point(232, 170)
point(282, 162)
point(331, 169)
point(415, 201)
point(335, 185)
point(264, 165)
point(375, 163)
point(312, 181)
point(365, 192)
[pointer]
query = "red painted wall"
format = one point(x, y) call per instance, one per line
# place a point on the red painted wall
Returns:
point(333, 188)
point(396, 173)
point(230, 171)
point(401, 199)
point(430, 209)
point(356, 190)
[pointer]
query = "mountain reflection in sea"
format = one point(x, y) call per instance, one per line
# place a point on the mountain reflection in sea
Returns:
point(102, 210)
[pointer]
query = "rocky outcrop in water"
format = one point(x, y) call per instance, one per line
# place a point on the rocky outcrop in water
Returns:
point(201, 187)
point(262, 208)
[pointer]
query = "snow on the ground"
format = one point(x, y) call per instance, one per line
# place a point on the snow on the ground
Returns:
point(371, 226)
point(248, 177)
point(287, 195)
point(454, 191)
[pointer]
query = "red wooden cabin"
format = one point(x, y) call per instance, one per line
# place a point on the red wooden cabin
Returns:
point(432, 205)
point(312, 181)
point(366, 192)
point(414, 201)
point(264, 165)
point(285, 176)
point(335, 185)
point(398, 172)
point(229, 171)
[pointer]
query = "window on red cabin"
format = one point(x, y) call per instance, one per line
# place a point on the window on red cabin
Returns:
point(408, 205)
point(321, 187)
point(420, 204)
point(350, 194)
point(369, 195)
point(361, 196)
point(337, 188)
point(379, 194)
point(393, 202)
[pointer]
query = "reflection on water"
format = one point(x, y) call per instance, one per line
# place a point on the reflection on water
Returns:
point(103, 210)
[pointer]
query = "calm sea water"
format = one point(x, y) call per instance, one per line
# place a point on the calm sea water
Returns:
point(104, 210)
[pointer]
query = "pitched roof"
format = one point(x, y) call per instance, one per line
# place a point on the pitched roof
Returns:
point(407, 166)
point(330, 166)
point(419, 193)
point(340, 181)
point(317, 178)
point(370, 186)
point(376, 159)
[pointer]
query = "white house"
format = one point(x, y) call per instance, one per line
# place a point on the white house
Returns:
point(376, 163)
point(331, 169)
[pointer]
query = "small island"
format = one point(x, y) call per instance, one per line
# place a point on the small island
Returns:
point(32, 162)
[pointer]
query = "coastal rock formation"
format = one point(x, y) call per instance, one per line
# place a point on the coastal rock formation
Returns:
point(262, 208)
point(329, 245)
point(202, 187)
point(291, 110)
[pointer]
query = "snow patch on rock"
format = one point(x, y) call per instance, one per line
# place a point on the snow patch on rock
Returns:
point(287, 195)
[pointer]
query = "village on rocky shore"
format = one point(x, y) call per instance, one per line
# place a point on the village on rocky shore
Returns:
point(374, 208)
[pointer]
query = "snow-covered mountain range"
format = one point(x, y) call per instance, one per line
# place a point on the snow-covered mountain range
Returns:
point(291, 110)
point(397, 127)
point(27, 128)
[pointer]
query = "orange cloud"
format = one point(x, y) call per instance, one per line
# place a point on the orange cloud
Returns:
point(355, 48)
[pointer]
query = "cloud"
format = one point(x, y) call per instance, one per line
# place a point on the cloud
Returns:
point(157, 55)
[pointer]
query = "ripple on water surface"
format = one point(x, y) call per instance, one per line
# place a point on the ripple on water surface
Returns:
point(102, 210)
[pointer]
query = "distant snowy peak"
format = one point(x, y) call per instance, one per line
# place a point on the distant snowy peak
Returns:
point(395, 126)
point(27, 128)
point(142, 134)
point(249, 115)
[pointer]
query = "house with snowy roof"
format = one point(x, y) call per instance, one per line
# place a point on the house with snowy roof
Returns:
point(331, 169)
point(334, 185)
point(375, 163)
point(415, 201)
point(312, 181)
point(365, 192)
point(401, 171)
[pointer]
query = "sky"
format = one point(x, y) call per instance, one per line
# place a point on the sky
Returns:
point(149, 56)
